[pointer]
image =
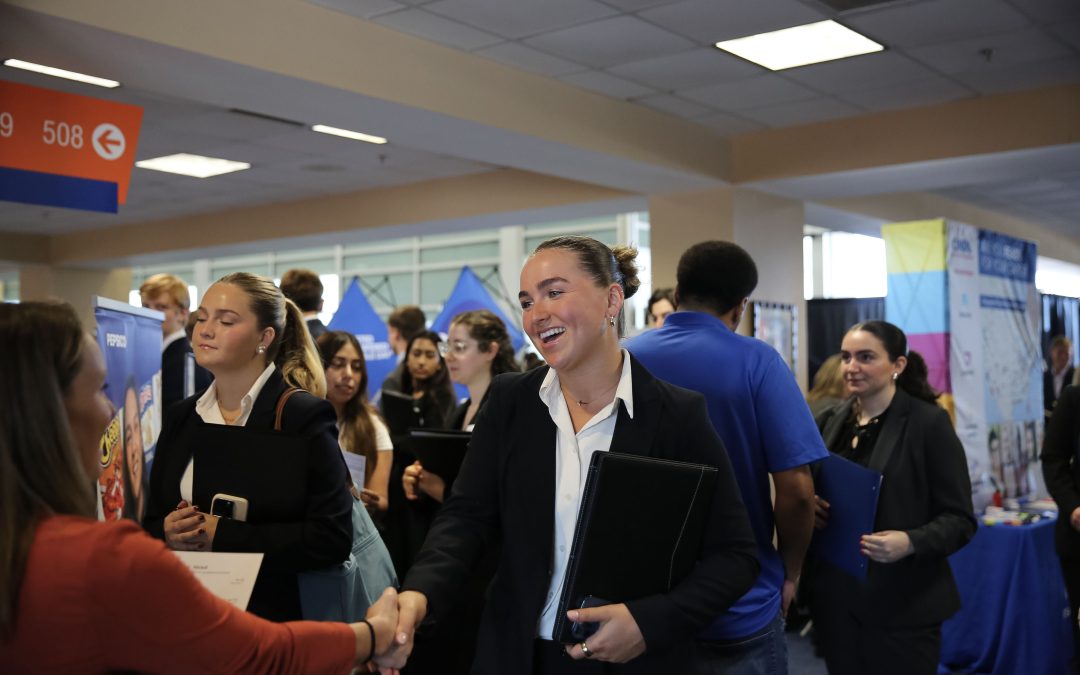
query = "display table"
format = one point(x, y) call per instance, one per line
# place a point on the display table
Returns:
point(1014, 615)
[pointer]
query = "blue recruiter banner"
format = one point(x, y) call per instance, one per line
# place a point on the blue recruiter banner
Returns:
point(356, 315)
point(469, 293)
point(130, 340)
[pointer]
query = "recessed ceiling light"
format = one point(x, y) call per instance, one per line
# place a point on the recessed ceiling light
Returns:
point(345, 133)
point(58, 72)
point(192, 165)
point(801, 45)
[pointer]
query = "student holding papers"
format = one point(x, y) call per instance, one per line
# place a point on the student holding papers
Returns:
point(891, 621)
point(360, 427)
point(299, 510)
point(82, 596)
point(522, 480)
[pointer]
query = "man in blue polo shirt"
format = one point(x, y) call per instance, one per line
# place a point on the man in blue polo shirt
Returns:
point(765, 423)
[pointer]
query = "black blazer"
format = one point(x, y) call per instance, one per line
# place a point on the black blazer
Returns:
point(315, 327)
point(926, 492)
point(321, 539)
point(1061, 468)
point(173, 365)
point(506, 489)
point(1049, 400)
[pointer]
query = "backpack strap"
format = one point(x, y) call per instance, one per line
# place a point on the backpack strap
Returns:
point(282, 400)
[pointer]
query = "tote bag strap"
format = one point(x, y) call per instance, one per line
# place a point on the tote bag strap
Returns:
point(282, 400)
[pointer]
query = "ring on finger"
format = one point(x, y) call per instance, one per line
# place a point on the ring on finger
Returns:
point(585, 650)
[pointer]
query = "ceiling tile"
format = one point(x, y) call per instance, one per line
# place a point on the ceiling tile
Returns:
point(609, 42)
point(928, 91)
point(709, 21)
point(608, 85)
point(636, 5)
point(437, 29)
point(1008, 49)
point(1025, 76)
point(1068, 31)
point(361, 9)
point(514, 19)
point(707, 65)
point(754, 92)
point(728, 125)
point(520, 56)
point(869, 70)
point(802, 112)
point(927, 23)
point(1044, 11)
point(674, 105)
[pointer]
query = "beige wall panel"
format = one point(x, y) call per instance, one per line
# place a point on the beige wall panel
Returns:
point(76, 286)
point(678, 221)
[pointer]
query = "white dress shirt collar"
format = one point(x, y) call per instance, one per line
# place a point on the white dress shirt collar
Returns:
point(207, 406)
point(171, 338)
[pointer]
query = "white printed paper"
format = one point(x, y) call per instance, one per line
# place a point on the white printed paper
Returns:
point(357, 465)
point(229, 576)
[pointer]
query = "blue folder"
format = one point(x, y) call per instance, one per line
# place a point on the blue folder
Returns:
point(852, 492)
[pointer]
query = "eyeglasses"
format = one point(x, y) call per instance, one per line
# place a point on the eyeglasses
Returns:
point(458, 347)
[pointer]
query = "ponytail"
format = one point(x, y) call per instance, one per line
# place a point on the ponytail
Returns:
point(914, 380)
point(296, 357)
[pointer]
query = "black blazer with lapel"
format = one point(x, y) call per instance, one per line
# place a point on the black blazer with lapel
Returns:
point(506, 490)
point(1049, 400)
point(926, 492)
point(321, 539)
point(1061, 468)
point(173, 365)
point(316, 327)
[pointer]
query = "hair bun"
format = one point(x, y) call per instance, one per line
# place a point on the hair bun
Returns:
point(626, 259)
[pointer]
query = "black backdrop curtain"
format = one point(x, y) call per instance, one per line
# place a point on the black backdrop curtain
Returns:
point(1060, 316)
point(828, 320)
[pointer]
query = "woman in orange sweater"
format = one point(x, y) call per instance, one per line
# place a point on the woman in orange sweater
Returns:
point(80, 596)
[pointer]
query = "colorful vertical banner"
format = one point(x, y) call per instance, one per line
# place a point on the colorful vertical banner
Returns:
point(356, 315)
point(966, 298)
point(130, 339)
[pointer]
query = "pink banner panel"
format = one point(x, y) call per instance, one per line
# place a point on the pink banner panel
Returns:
point(934, 348)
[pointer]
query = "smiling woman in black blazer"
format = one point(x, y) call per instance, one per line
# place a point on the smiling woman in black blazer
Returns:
point(255, 343)
point(521, 483)
point(891, 621)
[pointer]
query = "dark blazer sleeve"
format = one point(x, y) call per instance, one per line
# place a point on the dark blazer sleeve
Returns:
point(728, 565)
point(953, 524)
point(469, 520)
point(170, 460)
point(1059, 453)
point(324, 537)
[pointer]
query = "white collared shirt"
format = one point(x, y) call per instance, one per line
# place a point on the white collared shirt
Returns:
point(573, 453)
point(171, 338)
point(207, 408)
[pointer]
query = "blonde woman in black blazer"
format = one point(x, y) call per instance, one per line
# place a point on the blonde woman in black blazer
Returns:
point(572, 291)
point(891, 621)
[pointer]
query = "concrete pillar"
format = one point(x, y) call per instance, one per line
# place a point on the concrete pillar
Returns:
point(770, 228)
point(76, 286)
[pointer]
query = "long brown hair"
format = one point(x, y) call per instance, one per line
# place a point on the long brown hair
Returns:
point(357, 420)
point(41, 473)
point(292, 349)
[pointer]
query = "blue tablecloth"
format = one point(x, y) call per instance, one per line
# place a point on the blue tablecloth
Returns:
point(1015, 614)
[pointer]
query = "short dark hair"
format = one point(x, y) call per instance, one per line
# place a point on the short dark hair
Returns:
point(303, 287)
point(716, 275)
point(409, 321)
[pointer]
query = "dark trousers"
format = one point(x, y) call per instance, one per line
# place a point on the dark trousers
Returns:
point(852, 647)
point(549, 658)
point(1070, 571)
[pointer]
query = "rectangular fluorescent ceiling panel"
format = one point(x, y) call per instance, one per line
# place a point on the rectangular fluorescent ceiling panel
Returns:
point(801, 45)
point(58, 72)
point(196, 166)
point(345, 133)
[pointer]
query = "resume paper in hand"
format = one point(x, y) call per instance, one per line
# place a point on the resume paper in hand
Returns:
point(230, 576)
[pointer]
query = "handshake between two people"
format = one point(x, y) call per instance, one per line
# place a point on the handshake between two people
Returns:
point(396, 616)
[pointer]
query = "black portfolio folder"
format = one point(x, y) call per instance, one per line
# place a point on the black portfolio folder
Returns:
point(267, 468)
point(440, 451)
point(401, 411)
point(628, 544)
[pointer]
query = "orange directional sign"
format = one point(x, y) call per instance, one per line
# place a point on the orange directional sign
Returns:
point(53, 132)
